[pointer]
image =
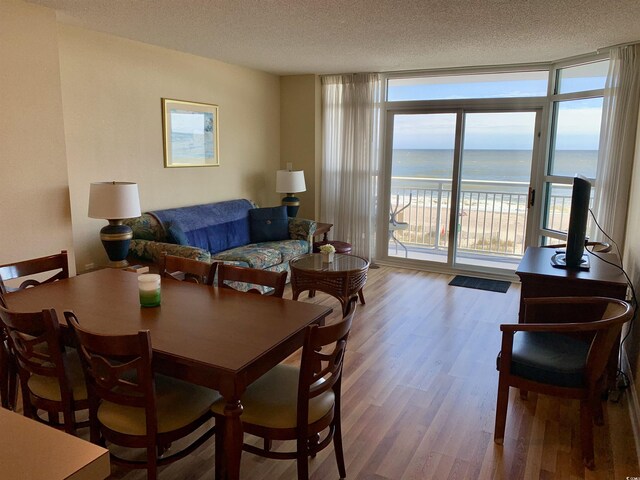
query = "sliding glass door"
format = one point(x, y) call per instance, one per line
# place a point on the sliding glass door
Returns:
point(460, 186)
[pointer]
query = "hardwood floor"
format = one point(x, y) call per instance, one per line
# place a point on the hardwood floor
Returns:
point(419, 396)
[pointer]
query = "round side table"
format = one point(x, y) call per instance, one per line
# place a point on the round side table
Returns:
point(343, 278)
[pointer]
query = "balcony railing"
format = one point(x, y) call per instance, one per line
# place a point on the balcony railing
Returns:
point(491, 220)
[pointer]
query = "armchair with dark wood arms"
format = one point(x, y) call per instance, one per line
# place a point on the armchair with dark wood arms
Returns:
point(561, 359)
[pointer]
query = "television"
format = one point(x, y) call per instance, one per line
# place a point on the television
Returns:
point(573, 257)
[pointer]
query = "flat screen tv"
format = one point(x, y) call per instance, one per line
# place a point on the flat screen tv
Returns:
point(573, 257)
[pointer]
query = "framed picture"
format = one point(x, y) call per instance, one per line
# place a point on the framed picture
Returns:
point(190, 134)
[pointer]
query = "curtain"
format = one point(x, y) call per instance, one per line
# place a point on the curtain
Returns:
point(351, 158)
point(617, 141)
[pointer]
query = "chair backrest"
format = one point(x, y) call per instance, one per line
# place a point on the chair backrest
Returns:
point(232, 273)
point(602, 323)
point(321, 367)
point(616, 314)
point(187, 269)
point(35, 266)
point(34, 340)
point(117, 369)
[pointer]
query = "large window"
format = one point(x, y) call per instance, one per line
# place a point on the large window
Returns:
point(480, 164)
point(576, 115)
point(480, 85)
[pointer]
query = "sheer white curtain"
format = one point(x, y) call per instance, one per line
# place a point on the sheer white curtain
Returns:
point(617, 141)
point(351, 158)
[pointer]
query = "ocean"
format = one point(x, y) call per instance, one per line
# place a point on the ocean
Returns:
point(494, 165)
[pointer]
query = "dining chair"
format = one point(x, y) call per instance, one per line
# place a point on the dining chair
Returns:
point(254, 277)
point(51, 378)
point(187, 269)
point(561, 359)
point(131, 406)
point(297, 403)
point(56, 267)
point(7, 365)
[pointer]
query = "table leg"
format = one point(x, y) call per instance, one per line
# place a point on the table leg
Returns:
point(233, 438)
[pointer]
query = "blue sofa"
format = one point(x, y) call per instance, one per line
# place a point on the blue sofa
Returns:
point(220, 231)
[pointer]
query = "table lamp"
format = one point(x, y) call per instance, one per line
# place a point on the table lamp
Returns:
point(290, 182)
point(115, 201)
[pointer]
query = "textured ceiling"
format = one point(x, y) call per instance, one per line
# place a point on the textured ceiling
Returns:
point(330, 36)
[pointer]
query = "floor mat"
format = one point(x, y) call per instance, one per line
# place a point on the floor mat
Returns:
point(480, 283)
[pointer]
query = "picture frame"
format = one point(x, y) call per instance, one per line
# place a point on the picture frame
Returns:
point(190, 134)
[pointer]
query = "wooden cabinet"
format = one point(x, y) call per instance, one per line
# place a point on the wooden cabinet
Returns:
point(540, 279)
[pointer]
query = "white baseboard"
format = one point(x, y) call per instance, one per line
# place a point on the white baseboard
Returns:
point(634, 403)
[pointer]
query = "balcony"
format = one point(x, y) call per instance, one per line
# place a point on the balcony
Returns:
point(491, 220)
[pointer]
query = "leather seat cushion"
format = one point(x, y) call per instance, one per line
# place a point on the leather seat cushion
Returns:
point(49, 387)
point(549, 358)
point(271, 401)
point(178, 404)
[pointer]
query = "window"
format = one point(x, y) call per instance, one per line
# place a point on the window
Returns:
point(576, 115)
point(481, 85)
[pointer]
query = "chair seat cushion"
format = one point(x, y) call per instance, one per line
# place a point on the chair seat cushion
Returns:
point(271, 401)
point(549, 358)
point(49, 387)
point(178, 404)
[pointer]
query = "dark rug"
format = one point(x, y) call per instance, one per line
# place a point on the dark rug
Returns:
point(480, 283)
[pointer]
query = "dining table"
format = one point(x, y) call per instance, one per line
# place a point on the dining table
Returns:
point(217, 338)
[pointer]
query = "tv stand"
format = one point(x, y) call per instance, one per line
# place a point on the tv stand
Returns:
point(559, 260)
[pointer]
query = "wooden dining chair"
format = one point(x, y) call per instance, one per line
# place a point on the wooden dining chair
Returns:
point(55, 266)
point(52, 268)
point(297, 403)
point(7, 365)
point(254, 277)
point(187, 269)
point(561, 359)
point(131, 406)
point(51, 377)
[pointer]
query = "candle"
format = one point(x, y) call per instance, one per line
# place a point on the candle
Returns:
point(149, 289)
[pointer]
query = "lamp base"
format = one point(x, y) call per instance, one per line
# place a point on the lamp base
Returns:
point(292, 203)
point(116, 238)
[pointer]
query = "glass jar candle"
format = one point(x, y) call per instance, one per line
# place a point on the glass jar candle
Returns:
point(149, 289)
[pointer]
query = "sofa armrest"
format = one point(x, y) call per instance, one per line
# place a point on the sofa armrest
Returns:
point(150, 250)
point(302, 229)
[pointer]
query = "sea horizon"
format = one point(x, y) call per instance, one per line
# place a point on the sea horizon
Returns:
point(510, 165)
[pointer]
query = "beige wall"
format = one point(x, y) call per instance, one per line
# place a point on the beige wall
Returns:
point(632, 261)
point(111, 91)
point(300, 139)
point(34, 200)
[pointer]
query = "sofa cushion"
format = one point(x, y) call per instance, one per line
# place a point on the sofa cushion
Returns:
point(176, 235)
point(289, 249)
point(213, 226)
point(268, 224)
point(255, 256)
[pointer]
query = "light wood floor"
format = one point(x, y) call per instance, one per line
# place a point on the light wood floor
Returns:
point(419, 398)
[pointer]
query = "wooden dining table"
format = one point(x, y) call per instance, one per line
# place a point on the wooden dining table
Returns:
point(218, 338)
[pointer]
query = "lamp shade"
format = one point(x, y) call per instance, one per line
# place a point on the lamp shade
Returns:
point(114, 200)
point(290, 182)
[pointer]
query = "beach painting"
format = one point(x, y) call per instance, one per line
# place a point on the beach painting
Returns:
point(190, 134)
